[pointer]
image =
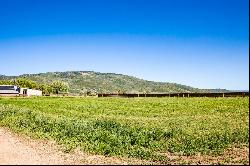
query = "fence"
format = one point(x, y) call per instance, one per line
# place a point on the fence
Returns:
point(226, 94)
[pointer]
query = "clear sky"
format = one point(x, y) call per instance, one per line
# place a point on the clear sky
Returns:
point(200, 43)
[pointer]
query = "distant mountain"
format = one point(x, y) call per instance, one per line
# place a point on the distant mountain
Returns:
point(238, 90)
point(81, 81)
point(216, 90)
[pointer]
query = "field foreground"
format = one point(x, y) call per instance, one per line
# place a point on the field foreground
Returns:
point(155, 129)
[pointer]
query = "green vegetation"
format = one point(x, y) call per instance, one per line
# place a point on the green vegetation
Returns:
point(55, 87)
point(59, 87)
point(88, 82)
point(134, 127)
point(22, 82)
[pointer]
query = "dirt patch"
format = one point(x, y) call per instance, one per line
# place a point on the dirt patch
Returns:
point(21, 150)
point(85, 74)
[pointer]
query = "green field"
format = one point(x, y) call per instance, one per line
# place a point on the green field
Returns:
point(143, 128)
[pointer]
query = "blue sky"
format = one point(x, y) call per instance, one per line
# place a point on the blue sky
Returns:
point(200, 43)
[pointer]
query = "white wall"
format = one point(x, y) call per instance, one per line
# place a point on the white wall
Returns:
point(31, 92)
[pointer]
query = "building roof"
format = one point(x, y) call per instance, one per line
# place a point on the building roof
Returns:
point(9, 92)
point(8, 87)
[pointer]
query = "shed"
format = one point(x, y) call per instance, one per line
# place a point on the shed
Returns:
point(9, 90)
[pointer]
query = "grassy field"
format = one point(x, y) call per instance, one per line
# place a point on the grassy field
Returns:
point(144, 128)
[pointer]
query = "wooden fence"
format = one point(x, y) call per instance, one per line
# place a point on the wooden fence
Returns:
point(226, 94)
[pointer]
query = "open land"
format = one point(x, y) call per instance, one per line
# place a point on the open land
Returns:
point(157, 130)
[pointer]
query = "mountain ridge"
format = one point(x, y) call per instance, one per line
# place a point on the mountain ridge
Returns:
point(82, 81)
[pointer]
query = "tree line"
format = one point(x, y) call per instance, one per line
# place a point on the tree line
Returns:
point(54, 87)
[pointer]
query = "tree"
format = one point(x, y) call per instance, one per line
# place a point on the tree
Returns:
point(45, 88)
point(59, 87)
point(26, 83)
point(83, 91)
point(6, 82)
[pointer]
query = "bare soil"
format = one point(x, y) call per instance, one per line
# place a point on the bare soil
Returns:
point(16, 149)
point(22, 150)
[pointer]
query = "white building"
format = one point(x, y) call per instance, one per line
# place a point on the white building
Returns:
point(30, 92)
point(12, 90)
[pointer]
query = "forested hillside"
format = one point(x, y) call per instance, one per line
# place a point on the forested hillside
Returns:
point(83, 81)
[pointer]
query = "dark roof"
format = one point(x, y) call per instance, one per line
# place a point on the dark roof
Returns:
point(7, 87)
